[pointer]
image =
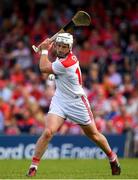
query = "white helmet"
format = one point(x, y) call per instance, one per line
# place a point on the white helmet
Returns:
point(65, 38)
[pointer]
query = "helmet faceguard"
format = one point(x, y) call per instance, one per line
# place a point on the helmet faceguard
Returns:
point(65, 38)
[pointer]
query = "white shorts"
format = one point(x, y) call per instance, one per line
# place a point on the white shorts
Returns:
point(77, 109)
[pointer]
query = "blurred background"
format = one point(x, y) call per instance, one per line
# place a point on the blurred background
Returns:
point(108, 55)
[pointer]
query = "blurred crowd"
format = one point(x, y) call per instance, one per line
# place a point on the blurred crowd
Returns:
point(108, 54)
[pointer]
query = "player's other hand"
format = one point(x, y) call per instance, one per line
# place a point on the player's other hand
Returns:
point(46, 44)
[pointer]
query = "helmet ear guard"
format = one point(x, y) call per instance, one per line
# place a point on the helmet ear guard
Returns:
point(65, 38)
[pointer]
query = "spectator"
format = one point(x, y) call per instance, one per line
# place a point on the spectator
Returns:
point(1, 122)
point(114, 77)
point(5, 92)
point(22, 55)
point(127, 87)
point(123, 122)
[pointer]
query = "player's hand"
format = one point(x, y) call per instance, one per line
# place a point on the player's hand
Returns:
point(46, 44)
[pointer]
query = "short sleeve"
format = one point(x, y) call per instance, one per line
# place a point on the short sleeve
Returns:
point(58, 68)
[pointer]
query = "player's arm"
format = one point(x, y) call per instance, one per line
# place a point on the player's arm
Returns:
point(44, 64)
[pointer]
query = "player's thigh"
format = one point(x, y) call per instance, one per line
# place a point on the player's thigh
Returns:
point(53, 122)
point(79, 112)
point(90, 129)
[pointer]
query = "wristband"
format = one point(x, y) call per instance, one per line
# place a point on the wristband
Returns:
point(44, 52)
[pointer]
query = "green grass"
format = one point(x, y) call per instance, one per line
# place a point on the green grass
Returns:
point(68, 169)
